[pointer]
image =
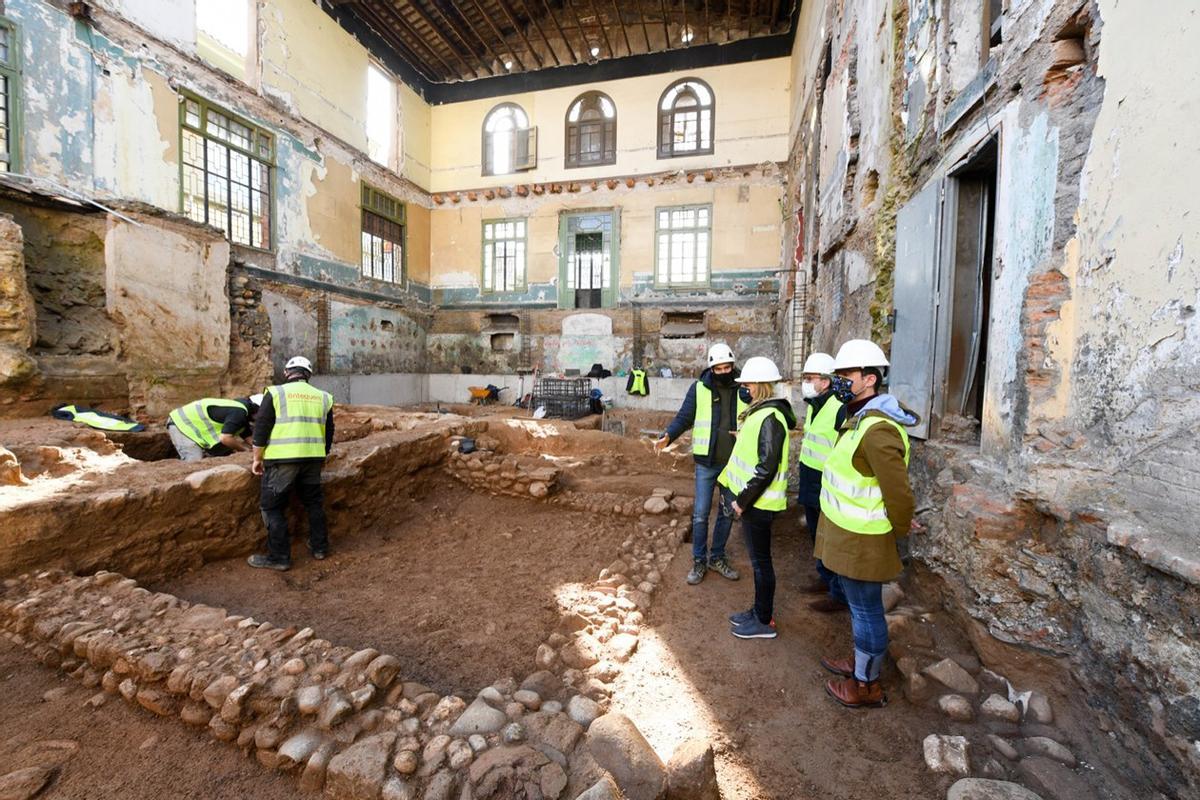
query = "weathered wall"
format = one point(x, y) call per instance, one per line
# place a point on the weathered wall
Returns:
point(18, 320)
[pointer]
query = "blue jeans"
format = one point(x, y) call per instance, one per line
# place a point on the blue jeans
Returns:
point(706, 482)
point(865, 599)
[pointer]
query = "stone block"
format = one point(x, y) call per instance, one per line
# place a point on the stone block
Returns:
point(619, 747)
point(691, 772)
point(946, 754)
point(357, 773)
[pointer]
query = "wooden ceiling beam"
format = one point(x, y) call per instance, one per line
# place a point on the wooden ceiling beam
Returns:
point(587, 45)
point(484, 42)
point(621, 22)
point(520, 32)
point(468, 70)
point(387, 31)
point(562, 34)
point(542, 33)
point(462, 37)
point(645, 27)
point(662, 4)
point(603, 29)
point(499, 36)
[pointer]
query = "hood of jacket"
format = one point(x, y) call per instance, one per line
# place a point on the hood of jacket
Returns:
point(707, 377)
point(780, 403)
point(888, 406)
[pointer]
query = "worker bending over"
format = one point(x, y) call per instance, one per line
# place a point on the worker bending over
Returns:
point(212, 426)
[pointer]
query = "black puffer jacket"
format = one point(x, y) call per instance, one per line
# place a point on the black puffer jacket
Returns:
point(771, 437)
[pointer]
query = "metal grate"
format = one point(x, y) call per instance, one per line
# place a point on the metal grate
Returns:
point(323, 334)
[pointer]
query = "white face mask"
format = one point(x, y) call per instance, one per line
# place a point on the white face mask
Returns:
point(808, 391)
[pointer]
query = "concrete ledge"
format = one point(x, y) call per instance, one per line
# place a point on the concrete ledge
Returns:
point(1174, 553)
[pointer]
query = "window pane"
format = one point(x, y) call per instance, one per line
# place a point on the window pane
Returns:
point(381, 115)
point(227, 21)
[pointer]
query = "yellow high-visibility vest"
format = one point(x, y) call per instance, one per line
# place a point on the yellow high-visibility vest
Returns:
point(703, 424)
point(742, 461)
point(852, 501)
point(99, 421)
point(299, 432)
point(193, 420)
point(639, 382)
point(820, 434)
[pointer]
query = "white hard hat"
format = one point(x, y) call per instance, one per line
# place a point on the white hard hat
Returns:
point(859, 353)
point(720, 354)
point(256, 399)
point(818, 364)
point(760, 369)
point(298, 362)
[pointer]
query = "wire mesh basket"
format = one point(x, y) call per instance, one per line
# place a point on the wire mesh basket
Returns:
point(563, 398)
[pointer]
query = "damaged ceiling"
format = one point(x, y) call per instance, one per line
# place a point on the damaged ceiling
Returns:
point(448, 42)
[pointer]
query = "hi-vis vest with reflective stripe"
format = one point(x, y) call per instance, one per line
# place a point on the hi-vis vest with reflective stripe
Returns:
point(820, 434)
point(702, 426)
point(639, 382)
point(740, 469)
point(299, 432)
point(194, 422)
point(849, 500)
point(96, 420)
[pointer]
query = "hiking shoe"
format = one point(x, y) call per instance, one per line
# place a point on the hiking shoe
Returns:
point(699, 567)
point(827, 605)
point(260, 561)
point(755, 630)
point(857, 694)
point(721, 567)
point(741, 617)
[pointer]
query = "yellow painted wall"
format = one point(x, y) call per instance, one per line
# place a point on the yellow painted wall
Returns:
point(415, 130)
point(316, 66)
point(752, 105)
point(417, 241)
point(746, 233)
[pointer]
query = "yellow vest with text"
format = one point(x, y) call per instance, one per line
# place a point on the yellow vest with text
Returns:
point(193, 420)
point(639, 382)
point(702, 426)
point(299, 432)
point(852, 501)
point(820, 434)
point(742, 461)
point(99, 421)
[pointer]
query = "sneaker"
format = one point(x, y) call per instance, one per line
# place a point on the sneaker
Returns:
point(741, 617)
point(319, 555)
point(260, 561)
point(722, 568)
point(755, 630)
point(699, 567)
point(827, 605)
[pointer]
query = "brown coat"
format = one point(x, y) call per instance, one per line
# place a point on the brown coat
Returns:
point(872, 557)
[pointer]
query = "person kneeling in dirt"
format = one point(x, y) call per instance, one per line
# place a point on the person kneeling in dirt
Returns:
point(292, 436)
point(710, 409)
point(866, 502)
point(754, 487)
point(212, 426)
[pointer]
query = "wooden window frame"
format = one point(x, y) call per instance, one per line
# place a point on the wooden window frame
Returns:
point(521, 285)
point(11, 71)
point(374, 203)
point(528, 134)
point(666, 121)
point(261, 150)
point(608, 133)
point(658, 231)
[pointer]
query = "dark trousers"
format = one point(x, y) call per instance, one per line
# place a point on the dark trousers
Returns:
point(278, 481)
point(756, 528)
point(812, 516)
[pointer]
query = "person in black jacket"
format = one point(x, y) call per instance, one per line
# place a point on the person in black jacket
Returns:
point(710, 410)
point(754, 486)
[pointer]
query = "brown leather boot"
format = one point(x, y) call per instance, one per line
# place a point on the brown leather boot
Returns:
point(853, 693)
point(827, 605)
point(815, 586)
point(839, 666)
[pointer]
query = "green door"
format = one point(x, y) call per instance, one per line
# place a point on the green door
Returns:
point(589, 259)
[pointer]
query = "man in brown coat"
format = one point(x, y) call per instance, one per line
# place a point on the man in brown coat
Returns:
point(866, 502)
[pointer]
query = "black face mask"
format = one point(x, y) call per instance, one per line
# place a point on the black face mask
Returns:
point(723, 378)
point(841, 389)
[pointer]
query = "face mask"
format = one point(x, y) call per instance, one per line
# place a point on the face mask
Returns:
point(724, 378)
point(841, 389)
point(807, 390)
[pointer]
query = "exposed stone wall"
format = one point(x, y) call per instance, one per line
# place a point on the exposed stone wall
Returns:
point(17, 314)
point(250, 367)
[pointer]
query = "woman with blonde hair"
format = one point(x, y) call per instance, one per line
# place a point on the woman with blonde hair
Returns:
point(754, 485)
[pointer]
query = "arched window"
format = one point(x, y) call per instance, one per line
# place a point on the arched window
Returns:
point(685, 119)
point(509, 143)
point(591, 131)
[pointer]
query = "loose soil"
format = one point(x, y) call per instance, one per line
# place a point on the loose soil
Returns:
point(462, 590)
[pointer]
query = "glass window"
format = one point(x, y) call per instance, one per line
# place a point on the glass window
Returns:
point(381, 116)
point(9, 86)
point(591, 131)
point(509, 143)
point(227, 173)
point(685, 119)
point(227, 22)
point(382, 236)
point(682, 245)
point(504, 255)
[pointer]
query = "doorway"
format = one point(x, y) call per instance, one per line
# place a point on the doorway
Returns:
point(588, 259)
point(588, 266)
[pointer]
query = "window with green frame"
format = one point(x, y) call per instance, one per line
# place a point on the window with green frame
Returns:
point(226, 172)
point(682, 245)
point(503, 255)
point(382, 236)
point(9, 97)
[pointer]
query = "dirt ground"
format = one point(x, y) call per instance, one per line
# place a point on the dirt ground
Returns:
point(462, 591)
